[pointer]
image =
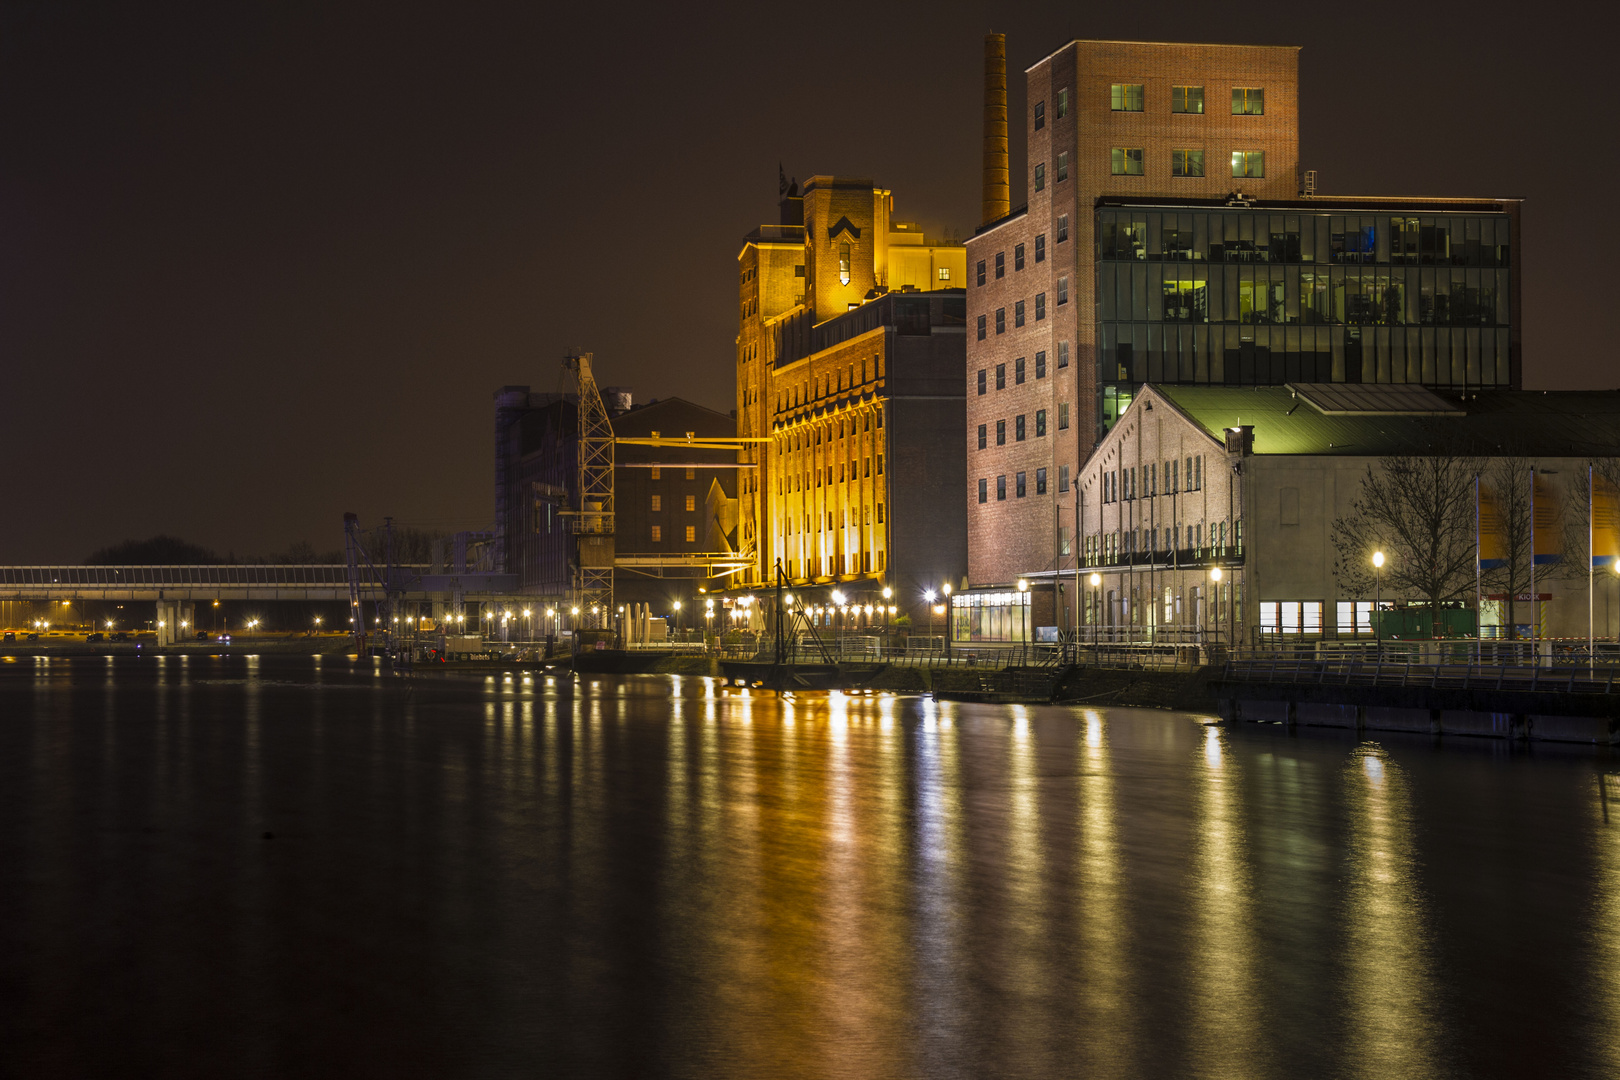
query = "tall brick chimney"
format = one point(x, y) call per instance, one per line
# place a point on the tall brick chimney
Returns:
point(997, 189)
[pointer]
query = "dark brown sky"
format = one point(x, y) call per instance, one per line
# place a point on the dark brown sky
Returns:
point(262, 264)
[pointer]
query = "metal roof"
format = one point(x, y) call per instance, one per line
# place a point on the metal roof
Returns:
point(1566, 423)
point(1376, 399)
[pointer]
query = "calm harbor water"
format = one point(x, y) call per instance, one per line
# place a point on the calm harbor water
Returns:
point(231, 866)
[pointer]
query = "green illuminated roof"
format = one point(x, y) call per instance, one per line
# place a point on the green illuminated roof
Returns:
point(1565, 423)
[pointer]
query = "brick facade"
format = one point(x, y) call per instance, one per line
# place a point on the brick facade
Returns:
point(1074, 154)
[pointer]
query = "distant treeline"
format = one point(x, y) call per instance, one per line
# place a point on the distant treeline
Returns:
point(410, 546)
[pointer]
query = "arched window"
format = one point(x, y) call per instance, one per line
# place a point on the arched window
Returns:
point(843, 264)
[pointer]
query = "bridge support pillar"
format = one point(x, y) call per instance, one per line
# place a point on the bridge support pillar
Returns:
point(1434, 722)
point(167, 613)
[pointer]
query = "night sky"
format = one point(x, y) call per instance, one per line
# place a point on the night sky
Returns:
point(263, 264)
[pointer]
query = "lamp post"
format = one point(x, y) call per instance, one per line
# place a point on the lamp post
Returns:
point(928, 596)
point(1023, 612)
point(1378, 598)
point(1096, 581)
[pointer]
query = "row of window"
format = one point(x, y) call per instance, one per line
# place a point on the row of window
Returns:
point(1020, 486)
point(1260, 237)
point(1129, 161)
point(1121, 484)
point(1132, 97)
point(1249, 356)
point(843, 520)
point(658, 502)
point(1019, 369)
point(855, 562)
point(832, 382)
point(1198, 539)
point(1018, 252)
point(658, 534)
point(657, 471)
point(1020, 429)
point(1020, 311)
point(826, 476)
point(1319, 296)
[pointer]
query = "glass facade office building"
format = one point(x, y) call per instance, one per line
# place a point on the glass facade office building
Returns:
point(1307, 291)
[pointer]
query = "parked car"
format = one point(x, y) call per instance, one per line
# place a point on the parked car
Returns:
point(11, 635)
point(118, 635)
point(97, 636)
point(202, 635)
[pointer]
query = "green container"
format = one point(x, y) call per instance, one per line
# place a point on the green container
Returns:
point(1418, 624)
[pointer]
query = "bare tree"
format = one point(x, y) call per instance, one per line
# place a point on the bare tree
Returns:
point(1508, 481)
point(1420, 511)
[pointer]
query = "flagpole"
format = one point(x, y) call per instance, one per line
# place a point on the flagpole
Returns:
point(1479, 601)
point(1535, 651)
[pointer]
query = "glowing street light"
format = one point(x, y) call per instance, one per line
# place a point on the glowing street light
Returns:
point(1378, 594)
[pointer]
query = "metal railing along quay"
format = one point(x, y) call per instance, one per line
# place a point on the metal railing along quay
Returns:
point(1595, 678)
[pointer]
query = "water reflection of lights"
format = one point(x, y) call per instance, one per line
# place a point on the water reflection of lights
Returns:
point(1388, 982)
point(1101, 923)
point(1606, 910)
point(1224, 947)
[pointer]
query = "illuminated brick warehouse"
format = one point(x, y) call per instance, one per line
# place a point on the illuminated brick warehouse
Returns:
point(849, 356)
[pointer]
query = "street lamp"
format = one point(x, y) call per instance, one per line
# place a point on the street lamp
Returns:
point(1378, 596)
point(1023, 610)
point(1096, 583)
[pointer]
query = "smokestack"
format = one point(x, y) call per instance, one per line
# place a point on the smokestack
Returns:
point(997, 189)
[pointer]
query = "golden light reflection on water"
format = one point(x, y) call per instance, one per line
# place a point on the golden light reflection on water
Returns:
point(1606, 913)
point(1026, 890)
point(1102, 921)
point(1388, 982)
point(1225, 989)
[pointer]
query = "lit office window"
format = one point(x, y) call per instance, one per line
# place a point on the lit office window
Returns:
point(657, 502)
point(1248, 101)
point(691, 533)
point(691, 502)
point(1126, 97)
point(1186, 163)
point(944, 273)
point(1127, 161)
point(1249, 163)
point(1186, 99)
point(657, 534)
